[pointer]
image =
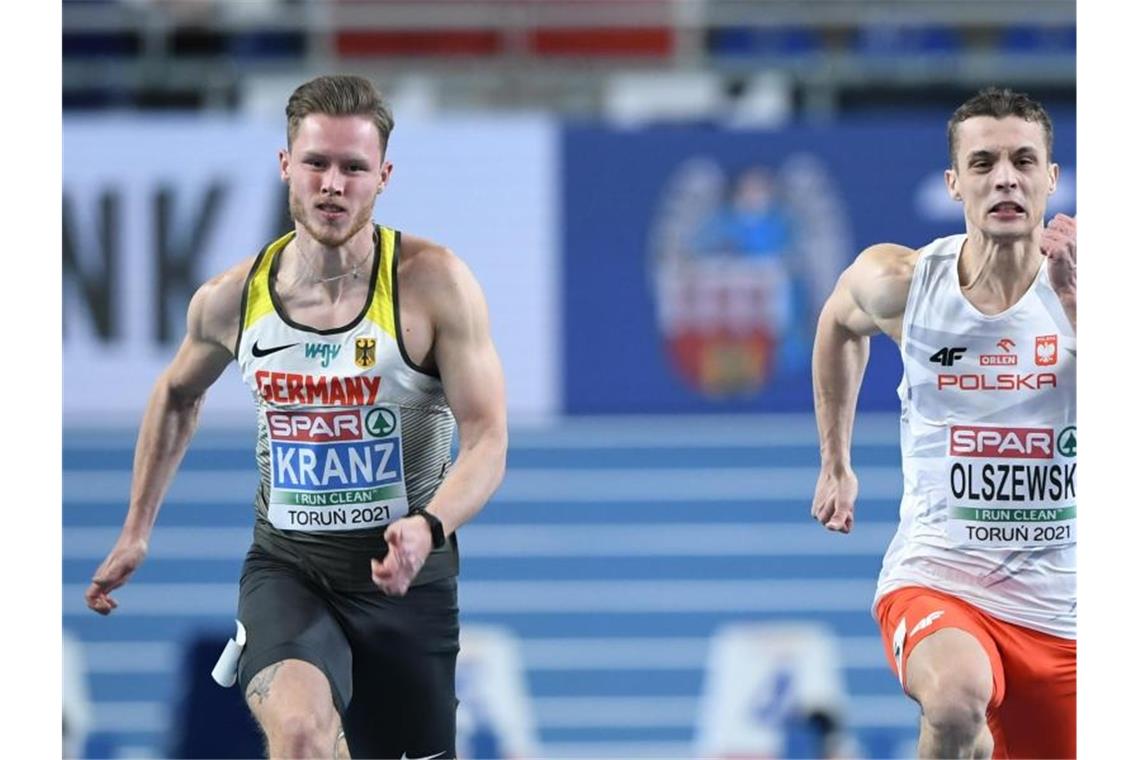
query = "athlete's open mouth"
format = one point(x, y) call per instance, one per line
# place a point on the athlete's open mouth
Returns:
point(331, 208)
point(1007, 207)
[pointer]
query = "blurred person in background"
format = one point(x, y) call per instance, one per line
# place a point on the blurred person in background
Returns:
point(752, 223)
point(364, 348)
point(977, 595)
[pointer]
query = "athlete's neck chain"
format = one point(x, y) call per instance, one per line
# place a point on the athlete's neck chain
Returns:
point(354, 272)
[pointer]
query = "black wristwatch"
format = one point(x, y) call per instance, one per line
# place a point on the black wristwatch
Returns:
point(438, 539)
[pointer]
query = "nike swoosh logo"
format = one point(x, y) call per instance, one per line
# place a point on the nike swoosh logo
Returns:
point(259, 351)
point(404, 756)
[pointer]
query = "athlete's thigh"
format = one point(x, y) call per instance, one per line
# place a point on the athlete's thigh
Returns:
point(951, 660)
point(1042, 725)
point(293, 694)
point(403, 709)
point(286, 619)
point(1039, 715)
point(934, 639)
point(404, 674)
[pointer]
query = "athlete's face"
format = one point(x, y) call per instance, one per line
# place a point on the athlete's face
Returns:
point(1002, 176)
point(334, 169)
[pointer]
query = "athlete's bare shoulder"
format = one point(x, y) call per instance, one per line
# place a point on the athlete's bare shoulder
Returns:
point(215, 309)
point(419, 255)
point(871, 294)
point(430, 271)
point(886, 264)
point(879, 280)
point(441, 303)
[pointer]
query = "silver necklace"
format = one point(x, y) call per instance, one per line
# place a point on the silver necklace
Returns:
point(354, 272)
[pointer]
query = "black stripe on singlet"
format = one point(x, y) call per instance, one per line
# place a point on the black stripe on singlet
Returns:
point(396, 314)
point(245, 296)
point(332, 330)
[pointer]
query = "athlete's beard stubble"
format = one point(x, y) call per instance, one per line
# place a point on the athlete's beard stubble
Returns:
point(329, 239)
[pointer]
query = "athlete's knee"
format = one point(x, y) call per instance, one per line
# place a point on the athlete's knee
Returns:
point(301, 733)
point(961, 724)
point(956, 712)
point(950, 676)
point(984, 746)
point(292, 703)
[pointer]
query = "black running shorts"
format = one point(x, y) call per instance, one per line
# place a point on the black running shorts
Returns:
point(390, 661)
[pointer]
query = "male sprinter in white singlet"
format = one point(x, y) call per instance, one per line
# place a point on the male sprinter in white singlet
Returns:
point(363, 349)
point(977, 595)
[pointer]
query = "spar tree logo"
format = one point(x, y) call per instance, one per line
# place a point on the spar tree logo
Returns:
point(1067, 441)
point(380, 422)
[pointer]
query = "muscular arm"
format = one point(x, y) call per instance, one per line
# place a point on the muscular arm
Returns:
point(168, 423)
point(869, 298)
point(473, 384)
point(171, 416)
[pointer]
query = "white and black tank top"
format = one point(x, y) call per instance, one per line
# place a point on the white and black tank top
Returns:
point(351, 434)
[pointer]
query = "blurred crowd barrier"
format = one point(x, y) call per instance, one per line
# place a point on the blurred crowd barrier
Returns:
point(752, 60)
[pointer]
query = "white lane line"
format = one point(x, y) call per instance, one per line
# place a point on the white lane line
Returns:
point(543, 540)
point(614, 712)
point(679, 431)
point(662, 653)
point(891, 711)
point(166, 543)
point(104, 657)
point(130, 716)
point(538, 654)
point(178, 600)
point(644, 596)
point(538, 597)
point(894, 711)
point(538, 485)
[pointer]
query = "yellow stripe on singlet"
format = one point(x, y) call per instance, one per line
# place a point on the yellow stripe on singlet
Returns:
point(258, 303)
point(381, 311)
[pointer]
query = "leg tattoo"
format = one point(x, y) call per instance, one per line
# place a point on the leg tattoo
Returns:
point(259, 686)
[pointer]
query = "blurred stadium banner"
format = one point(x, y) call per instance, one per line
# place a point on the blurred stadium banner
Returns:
point(712, 248)
point(199, 194)
point(715, 248)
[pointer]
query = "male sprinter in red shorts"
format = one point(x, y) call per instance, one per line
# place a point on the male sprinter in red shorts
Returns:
point(977, 595)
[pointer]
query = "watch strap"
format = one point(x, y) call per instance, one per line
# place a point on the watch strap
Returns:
point(438, 539)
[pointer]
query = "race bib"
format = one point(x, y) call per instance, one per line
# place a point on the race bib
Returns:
point(1011, 487)
point(336, 469)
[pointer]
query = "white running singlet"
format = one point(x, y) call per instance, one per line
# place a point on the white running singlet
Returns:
point(351, 435)
point(988, 433)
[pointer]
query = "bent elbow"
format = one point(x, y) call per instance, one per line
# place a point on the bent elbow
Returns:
point(181, 399)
